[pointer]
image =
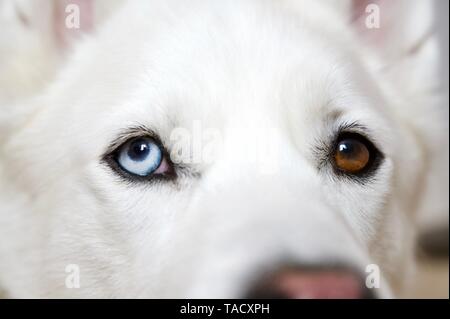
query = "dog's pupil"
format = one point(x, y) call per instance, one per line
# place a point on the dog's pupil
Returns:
point(139, 150)
point(346, 148)
point(351, 149)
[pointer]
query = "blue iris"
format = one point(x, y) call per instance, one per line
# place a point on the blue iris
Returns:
point(141, 156)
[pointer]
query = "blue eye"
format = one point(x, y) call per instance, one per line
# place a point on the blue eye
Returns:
point(140, 156)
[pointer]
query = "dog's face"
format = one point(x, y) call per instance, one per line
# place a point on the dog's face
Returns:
point(194, 149)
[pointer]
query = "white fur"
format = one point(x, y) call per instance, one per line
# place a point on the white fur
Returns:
point(292, 68)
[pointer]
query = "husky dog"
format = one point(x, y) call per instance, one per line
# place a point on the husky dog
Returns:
point(215, 149)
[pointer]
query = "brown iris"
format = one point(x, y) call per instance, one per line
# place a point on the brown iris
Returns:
point(352, 155)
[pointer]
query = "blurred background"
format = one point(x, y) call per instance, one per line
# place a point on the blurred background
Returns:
point(432, 278)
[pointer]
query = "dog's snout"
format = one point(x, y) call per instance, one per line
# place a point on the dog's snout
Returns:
point(311, 283)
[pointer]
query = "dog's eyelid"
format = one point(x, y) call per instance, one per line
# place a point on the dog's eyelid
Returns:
point(132, 132)
point(355, 127)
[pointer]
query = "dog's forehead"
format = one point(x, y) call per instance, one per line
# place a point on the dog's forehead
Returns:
point(218, 60)
point(212, 64)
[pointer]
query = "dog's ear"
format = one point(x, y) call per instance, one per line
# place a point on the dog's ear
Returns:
point(402, 33)
point(36, 38)
point(70, 20)
point(58, 23)
point(37, 35)
point(404, 37)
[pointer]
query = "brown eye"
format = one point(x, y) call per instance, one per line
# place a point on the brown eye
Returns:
point(353, 154)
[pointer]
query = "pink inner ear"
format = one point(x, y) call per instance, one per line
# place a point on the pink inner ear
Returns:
point(375, 37)
point(358, 9)
point(65, 35)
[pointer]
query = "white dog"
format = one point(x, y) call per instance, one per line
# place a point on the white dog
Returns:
point(214, 148)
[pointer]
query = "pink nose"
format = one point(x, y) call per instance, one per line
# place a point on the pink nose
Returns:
point(309, 283)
